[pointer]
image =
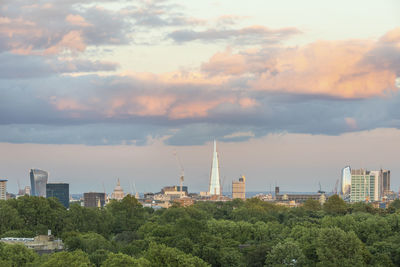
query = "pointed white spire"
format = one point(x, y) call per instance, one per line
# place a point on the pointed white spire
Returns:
point(215, 188)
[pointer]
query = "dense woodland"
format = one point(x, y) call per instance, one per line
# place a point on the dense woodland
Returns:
point(235, 233)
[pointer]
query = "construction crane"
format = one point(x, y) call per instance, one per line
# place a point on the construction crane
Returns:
point(320, 189)
point(336, 186)
point(182, 177)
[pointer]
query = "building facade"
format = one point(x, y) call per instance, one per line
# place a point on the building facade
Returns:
point(3, 189)
point(175, 190)
point(118, 193)
point(346, 182)
point(385, 182)
point(38, 182)
point(239, 188)
point(215, 184)
point(59, 191)
point(365, 186)
point(94, 199)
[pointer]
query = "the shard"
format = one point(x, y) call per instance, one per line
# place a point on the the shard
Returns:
point(215, 188)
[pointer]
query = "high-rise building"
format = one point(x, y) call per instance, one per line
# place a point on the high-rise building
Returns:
point(3, 189)
point(215, 188)
point(365, 185)
point(118, 193)
point(385, 182)
point(94, 199)
point(346, 182)
point(59, 191)
point(239, 188)
point(38, 182)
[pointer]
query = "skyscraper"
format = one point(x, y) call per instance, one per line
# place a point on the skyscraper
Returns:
point(3, 189)
point(239, 188)
point(59, 191)
point(365, 185)
point(215, 188)
point(38, 182)
point(346, 182)
point(385, 182)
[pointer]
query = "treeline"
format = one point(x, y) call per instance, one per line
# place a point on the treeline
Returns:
point(235, 233)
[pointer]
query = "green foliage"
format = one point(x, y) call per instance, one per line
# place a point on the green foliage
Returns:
point(234, 233)
point(16, 255)
point(338, 248)
point(77, 258)
point(161, 255)
point(122, 260)
point(335, 206)
point(287, 253)
point(312, 205)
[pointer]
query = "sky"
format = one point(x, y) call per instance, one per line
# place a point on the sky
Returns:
point(292, 91)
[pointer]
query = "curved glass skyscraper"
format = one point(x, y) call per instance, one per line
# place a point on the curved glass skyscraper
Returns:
point(38, 182)
point(346, 182)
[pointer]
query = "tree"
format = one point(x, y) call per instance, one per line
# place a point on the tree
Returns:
point(161, 255)
point(9, 218)
point(88, 242)
point(287, 253)
point(335, 247)
point(312, 205)
point(17, 255)
point(335, 205)
point(122, 260)
point(77, 258)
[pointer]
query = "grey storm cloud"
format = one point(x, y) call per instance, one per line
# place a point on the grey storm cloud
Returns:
point(28, 115)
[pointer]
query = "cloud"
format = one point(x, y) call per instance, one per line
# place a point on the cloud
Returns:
point(31, 66)
point(185, 113)
point(347, 69)
point(25, 29)
point(255, 34)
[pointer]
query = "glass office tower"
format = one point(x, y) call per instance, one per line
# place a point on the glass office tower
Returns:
point(38, 182)
point(346, 182)
point(59, 191)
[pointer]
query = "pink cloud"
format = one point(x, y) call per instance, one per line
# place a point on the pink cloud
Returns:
point(247, 102)
point(196, 109)
point(77, 20)
point(68, 104)
point(73, 40)
point(336, 68)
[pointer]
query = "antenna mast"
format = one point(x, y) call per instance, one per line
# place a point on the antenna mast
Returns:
point(182, 177)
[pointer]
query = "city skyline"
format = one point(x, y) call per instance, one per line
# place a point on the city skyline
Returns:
point(153, 184)
point(292, 91)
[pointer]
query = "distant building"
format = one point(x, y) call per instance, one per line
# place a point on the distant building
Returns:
point(3, 189)
point(174, 190)
point(239, 188)
point(59, 191)
point(118, 193)
point(27, 190)
point(215, 187)
point(365, 185)
point(38, 182)
point(94, 199)
point(385, 182)
point(300, 198)
point(184, 201)
point(42, 244)
point(346, 182)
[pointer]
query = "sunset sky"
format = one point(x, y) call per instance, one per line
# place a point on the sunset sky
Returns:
point(293, 91)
